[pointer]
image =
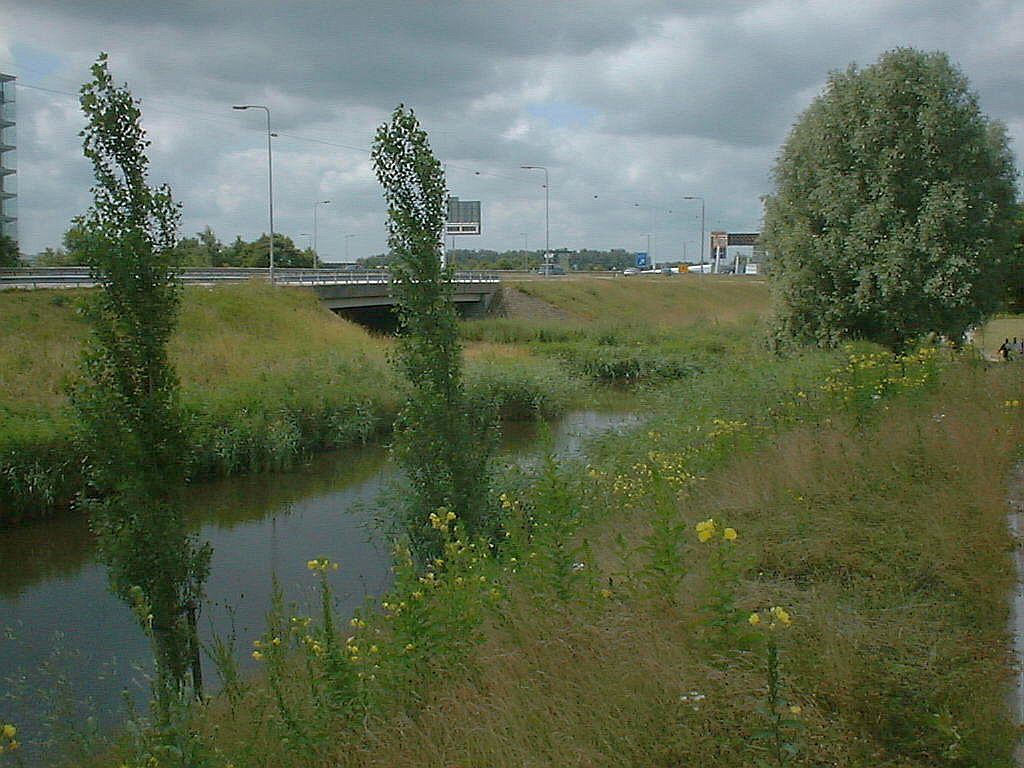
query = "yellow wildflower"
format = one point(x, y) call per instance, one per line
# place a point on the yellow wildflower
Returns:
point(795, 709)
point(321, 564)
point(9, 730)
point(706, 529)
point(257, 655)
point(605, 593)
point(729, 534)
point(754, 620)
point(782, 615)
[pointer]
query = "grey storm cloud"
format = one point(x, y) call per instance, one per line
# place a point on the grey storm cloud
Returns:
point(631, 105)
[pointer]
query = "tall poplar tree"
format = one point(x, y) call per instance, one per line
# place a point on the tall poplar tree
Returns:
point(126, 398)
point(443, 442)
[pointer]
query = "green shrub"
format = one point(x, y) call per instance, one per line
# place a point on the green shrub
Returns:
point(521, 390)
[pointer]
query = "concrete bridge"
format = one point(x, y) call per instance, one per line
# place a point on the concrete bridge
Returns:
point(338, 289)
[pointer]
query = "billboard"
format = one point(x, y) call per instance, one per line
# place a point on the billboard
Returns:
point(463, 217)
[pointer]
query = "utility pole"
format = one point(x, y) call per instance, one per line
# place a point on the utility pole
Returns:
point(695, 197)
point(316, 253)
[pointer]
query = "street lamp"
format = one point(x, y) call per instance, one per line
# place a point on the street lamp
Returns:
point(650, 259)
point(547, 216)
point(347, 238)
point(695, 197)
point(526, 253)
point(270, 179)
point(315, 252)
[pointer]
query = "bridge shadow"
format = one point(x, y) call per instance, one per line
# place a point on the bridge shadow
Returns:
point(383, 320)
point(378, 320)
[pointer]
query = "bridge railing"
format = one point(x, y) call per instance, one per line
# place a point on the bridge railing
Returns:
point(72, 277)
point(375, 277)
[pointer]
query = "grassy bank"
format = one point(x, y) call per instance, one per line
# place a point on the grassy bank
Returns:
point(858, 508)
point(667, 301)
point(621, 331)
point(265, 378)
point(268, 377)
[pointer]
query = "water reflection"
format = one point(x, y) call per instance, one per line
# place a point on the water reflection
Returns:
point(64, 634)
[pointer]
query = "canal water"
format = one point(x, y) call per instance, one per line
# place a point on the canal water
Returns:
point(70, 651)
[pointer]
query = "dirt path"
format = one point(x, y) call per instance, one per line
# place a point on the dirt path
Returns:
point(516, 304)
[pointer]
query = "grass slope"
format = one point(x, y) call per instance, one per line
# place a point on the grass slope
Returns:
point(677, 300)
point(236, 335)
point(266, 375)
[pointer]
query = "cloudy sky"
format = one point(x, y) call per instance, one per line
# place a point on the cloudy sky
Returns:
point(632, 106)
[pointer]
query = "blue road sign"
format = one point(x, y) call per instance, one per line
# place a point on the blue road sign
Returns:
point(641, 259)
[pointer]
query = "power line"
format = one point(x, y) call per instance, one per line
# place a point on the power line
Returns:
point(226, 119)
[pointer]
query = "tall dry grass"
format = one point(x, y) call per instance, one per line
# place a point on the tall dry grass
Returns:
point(884, 536)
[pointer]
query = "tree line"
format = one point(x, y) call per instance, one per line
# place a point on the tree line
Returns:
point(584, 260)
point(203, 250)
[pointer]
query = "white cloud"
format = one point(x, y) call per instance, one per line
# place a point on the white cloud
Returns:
point(634, 102)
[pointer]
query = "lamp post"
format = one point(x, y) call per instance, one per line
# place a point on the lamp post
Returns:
point(347, 238)
point(650, 258)
point(270, 179)
point(685, 243)
point(526, 253)
point(695, 197)
point(315, 252)
point(547, 209)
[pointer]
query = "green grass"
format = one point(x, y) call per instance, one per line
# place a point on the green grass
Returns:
point(676, 301)
point(990, 336)
point(267, 375)
point(647, 331)
point(228, 337)
point(878, 523)
point(868, 494)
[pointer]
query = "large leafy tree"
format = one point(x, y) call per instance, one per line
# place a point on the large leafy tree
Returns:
point(286, 253)
point(127, 396)
point(893, 208)
point(442, 441)
point(1015, 281)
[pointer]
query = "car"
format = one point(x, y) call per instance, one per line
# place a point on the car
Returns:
point(630, 271)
